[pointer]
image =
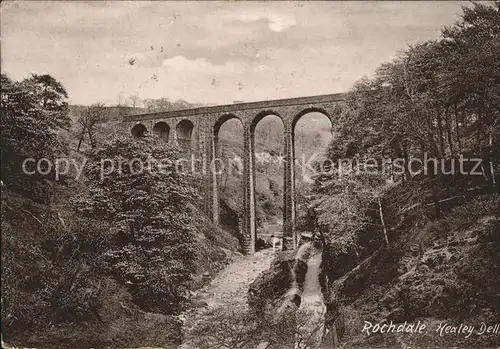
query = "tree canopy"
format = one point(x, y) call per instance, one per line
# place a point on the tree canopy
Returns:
point(151, 214)
point(30, 129)
point(440, 98)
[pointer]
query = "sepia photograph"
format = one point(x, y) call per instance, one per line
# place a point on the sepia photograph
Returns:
point(250, 174)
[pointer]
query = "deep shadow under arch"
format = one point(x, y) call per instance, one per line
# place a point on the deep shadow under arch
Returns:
point(162, 130)
point(184, 132)
point(139, 130)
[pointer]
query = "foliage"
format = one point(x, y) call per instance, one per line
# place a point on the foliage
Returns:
point(50, 95)
point(30, 123)
point(89, 120)
point(50, 264)
point(233, 327)
point(439, 98)
point(164, 104)
point(151, 214)
point(131, 249)
point(466, 215)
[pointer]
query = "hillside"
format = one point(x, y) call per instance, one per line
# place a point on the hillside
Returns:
point(89, 261)
point(432, 270)
point(75, 291)
point(148, 105)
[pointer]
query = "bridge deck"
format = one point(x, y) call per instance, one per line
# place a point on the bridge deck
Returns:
point(231, 108)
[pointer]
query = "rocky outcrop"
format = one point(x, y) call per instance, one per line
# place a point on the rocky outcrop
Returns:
point(283, 283)
point(276, 296)
point(269, 288)
point(441, 271)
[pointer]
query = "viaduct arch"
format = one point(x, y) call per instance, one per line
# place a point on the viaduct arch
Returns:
point(196, 131)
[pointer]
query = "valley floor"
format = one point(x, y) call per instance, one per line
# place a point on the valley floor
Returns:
point(231, 284)
point(229, 287)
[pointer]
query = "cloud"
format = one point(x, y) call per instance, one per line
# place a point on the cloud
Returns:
point(198, 65)
point(277, 22)
point(214, 52)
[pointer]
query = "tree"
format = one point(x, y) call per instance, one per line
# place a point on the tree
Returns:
point(28, 131)
point(151, 208)
point(89, 120)
point(164, 104)
point(439, 98)
point(135, 100)
point(51, 96)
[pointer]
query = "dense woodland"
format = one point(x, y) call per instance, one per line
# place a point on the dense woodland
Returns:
point(441, 98)
point(417, 245)
point(111, 263)
point(87, 262)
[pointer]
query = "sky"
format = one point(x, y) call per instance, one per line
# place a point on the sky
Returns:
point(210, 52)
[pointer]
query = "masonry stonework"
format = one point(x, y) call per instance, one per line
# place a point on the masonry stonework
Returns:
point(203, 144)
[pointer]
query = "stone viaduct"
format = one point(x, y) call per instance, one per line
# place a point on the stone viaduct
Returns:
point(196, 131)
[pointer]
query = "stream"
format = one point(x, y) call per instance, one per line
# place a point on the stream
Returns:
point(312, 308)
point(229, 289)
